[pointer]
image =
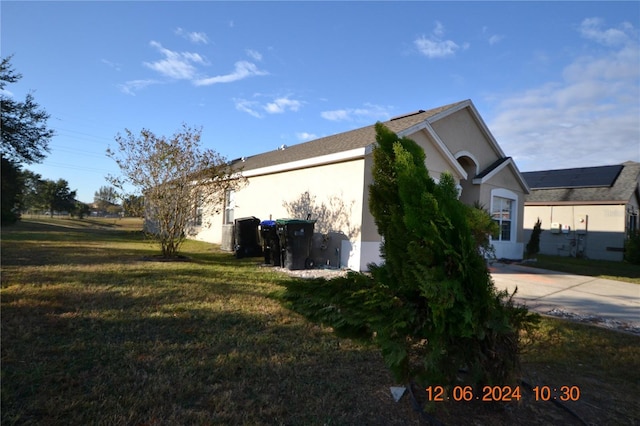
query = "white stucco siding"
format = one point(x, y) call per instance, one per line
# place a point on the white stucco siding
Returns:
point(331, 193)
point(597, 230)
point(436, 163)
point(460, 132)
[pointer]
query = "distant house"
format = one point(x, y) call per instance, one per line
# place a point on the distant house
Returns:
point(329, 180)
point(584, 211)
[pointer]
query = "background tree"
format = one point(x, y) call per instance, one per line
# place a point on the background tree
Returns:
point(32, 200)
point(24, 139)
point(176, 177)
point(80, 209)
point(12, 187)
point(133, 205)
point(106, 198)
point(57, 196)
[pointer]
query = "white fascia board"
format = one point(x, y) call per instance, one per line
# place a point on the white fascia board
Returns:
point(448, 112)
point(440, 146)
point(337, 157)
point(497, 170)
point(476, 116)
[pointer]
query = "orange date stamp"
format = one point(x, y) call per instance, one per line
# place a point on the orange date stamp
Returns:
point(501, 393)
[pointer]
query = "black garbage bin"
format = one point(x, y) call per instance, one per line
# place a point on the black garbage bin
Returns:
point(295, 237)
point(270, 242)
point(247, 238)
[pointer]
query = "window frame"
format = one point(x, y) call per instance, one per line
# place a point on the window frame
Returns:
point(500, 195)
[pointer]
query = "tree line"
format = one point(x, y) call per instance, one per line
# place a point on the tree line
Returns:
point(25, 140)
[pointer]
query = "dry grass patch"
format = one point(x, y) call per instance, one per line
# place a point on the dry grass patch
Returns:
point(92, 334)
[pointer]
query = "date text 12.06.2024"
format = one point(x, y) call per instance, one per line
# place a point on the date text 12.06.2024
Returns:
point(501, 393)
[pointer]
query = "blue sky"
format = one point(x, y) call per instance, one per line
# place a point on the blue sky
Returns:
point(557, 83)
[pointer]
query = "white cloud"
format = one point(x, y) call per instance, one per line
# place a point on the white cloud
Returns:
point(243, 69)
point(132, 86)
point(304, 136)
point(591, 28)
point(276, 106)
point(591, 116)
point(250, 107)
point(176, 65)
point(256, 56)
point(194, 37)
point(434, 46)
point(495, 39)
point(368, 113)
point(281, 105)
point(113, 65)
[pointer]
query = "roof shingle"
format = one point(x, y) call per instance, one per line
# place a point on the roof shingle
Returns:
point(358, 138)
point(620, 189)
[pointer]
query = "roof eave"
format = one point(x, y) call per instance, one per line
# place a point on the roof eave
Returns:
point(514, 168)
point(439, 145)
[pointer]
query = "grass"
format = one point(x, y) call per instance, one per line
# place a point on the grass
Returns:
point(620, 271)
point(93, 334)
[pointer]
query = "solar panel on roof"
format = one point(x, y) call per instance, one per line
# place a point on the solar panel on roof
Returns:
point(603, 176)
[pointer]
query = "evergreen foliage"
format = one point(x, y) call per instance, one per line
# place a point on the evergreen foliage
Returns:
point(12, 187)
point(24, 137)
point(632, 248)
point(533, 246)
point(431, 306)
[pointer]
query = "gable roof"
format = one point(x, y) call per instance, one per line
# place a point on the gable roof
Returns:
point(496, 167)
point(359, 142)
point(612, 184)
point(341, 142)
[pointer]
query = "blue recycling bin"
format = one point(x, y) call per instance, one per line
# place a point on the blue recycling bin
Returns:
point(270, 242)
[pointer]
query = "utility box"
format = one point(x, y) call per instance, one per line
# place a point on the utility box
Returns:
point(555, 228)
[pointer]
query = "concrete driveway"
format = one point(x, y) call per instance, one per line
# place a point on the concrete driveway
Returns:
point(609, 303)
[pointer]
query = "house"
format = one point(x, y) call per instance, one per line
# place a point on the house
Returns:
point(329, 178)
point(585, 212)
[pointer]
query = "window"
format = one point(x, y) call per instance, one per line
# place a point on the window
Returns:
point(502, 214)
point(632, 220)
point(230, 202)
point(197, 211)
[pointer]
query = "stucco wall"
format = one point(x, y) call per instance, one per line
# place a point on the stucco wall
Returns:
point(460, 132)
point(332, 194)
point(599, 230)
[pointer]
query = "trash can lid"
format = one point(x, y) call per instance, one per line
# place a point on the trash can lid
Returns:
point(294, 221)
point(268, 223)
point(248, 219)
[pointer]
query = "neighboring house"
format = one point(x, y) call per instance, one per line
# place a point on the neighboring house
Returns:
point(329, 180)
point(584, 211)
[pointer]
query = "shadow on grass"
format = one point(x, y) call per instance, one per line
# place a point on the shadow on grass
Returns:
point(140, 360)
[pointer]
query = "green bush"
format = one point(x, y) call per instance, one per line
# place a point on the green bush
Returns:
point(533, 246)
point(632, 248)
point(431, 306)
point(447, 313)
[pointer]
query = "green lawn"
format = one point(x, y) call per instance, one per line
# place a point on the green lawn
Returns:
point(93, 334)
point(621, 271)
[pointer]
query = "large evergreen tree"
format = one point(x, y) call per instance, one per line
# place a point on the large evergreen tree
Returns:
point(24, 137)
point(447, 314)
point(24, 131)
